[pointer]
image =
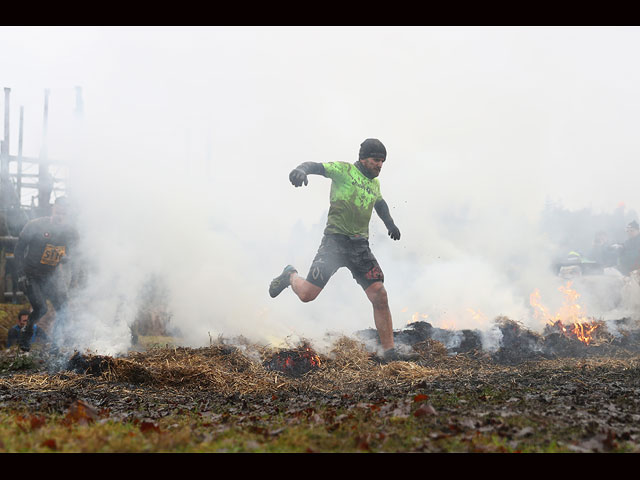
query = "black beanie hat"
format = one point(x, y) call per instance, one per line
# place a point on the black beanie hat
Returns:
point(372, 147)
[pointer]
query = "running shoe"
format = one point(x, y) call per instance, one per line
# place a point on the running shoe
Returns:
point(281, 282)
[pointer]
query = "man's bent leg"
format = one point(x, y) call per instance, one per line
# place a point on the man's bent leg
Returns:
point(377, 294)
point(305, 290)
point(327, 260)
point(39, 309)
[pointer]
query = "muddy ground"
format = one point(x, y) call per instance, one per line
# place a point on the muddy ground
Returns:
point(578, 398)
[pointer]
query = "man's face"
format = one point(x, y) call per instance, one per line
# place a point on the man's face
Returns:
point(632, 232)
point(373, 165)
point(22, 321)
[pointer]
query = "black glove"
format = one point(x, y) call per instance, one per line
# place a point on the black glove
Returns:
point(394, 232)
point(298, 177)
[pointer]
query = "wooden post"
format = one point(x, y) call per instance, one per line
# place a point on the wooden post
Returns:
point(78, 152)
point(4, 149)
point(3, 271)
point(45, 124)
point(45, 185)
point(7, 101)
point(5, 184)
point(19, 176)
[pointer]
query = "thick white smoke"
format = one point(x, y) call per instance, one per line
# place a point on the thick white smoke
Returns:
point(189, 135)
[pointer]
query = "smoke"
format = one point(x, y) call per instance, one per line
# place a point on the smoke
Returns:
point(179, 171)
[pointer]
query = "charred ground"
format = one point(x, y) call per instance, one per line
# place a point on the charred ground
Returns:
point(553, 395)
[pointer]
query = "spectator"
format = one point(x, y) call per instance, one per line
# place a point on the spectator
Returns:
point(14, 332)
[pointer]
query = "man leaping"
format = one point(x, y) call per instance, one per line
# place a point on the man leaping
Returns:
point(355, 192)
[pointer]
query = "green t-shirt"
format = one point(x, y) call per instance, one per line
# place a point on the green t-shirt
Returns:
point(352, 198)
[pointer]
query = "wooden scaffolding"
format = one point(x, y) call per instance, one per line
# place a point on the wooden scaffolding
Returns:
point(16, 179)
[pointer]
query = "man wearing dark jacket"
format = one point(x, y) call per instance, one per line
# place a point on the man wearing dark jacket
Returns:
point(14, 332)
point(355, 193)
point(43, 245)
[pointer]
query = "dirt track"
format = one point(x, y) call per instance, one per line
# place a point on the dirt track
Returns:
point(584, 404)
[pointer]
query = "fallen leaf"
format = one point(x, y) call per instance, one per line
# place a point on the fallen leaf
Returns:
point(37, 422)
point(50, 443)
point(362, 442)
point(81, 412)
point(424, 410)
point(420, 398)
point(146, 427)
point(609, 441)
point(20, 422)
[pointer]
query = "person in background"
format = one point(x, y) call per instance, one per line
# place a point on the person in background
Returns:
point(14, 332)
point(43, 246)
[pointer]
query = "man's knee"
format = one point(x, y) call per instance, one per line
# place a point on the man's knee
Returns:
point(307, 295)
point(378, 295)
point(307, 291)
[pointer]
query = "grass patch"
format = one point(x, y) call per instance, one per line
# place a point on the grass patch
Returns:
point(321, 431)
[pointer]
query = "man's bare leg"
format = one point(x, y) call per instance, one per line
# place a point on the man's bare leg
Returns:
point(377, 294)
point(306, 291)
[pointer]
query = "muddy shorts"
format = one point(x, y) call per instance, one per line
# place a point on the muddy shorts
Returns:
point(337, 251)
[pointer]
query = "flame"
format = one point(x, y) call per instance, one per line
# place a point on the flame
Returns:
point(448, 323)
point(307, 355)
point(415, 317)
point(570, 319)
point(478, 316)
point(313, 358)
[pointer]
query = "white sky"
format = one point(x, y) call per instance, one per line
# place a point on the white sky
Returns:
point(482, 125)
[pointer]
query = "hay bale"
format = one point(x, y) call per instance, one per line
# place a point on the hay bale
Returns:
point(348, 353)
point(89, 364)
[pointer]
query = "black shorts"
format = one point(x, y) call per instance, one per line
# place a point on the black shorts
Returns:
point(337, 251)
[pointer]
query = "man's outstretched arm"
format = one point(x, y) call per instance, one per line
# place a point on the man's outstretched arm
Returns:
point(298, 175)
point(382, 209)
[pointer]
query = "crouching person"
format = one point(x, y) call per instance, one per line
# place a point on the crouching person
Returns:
point(43, 245)
point(39, 334)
